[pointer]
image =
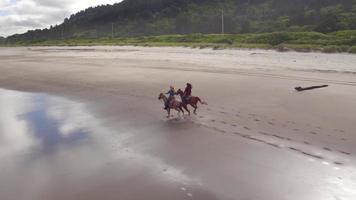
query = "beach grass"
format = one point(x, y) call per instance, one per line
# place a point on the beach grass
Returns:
point(336, 42)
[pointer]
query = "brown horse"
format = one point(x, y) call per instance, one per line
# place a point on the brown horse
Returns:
point(174, 104)
point(193, 100)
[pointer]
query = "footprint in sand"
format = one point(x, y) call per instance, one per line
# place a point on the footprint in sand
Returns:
point(257, 120)
point(273, 145)
point(294, 149)
point(327, 149)
point(263, 133)
point(271, 123)
point(344, 152)
point(247, 128)
point(312, 155)
point(338, 163)
point(314, 133)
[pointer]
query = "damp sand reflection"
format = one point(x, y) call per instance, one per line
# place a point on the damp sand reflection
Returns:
point(53, 148)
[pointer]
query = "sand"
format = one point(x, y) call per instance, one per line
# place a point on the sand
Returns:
point(256, 139)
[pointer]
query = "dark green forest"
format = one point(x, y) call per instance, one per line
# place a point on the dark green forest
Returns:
point(135, 18)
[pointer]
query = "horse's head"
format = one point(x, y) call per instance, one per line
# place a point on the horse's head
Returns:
point(161, 96)
point(179, 91)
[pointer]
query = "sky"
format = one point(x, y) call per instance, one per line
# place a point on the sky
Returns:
point(18, 16)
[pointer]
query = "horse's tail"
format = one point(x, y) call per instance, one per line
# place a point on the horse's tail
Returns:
point(202, 102)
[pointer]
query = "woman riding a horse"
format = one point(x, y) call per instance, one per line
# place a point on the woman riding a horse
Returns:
point(170, 94)
point(187, 99)
point(187, 92)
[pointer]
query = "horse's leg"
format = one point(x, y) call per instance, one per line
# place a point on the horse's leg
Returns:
point(181, 109)
point(195, 108)
point(169, 112)
point(177, 109)
point(186, 108)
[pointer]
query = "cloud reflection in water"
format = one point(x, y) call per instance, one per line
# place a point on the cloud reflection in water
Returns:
point(47, 142)
point(29, 120)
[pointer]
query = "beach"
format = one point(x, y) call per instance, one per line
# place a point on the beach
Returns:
point(257, 138)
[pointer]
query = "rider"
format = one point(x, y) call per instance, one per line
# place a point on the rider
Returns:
point(170, 94)
point(187, 93)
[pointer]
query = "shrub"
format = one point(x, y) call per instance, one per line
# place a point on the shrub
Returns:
point(352, 49)
point(331, 49)
point(225, 41)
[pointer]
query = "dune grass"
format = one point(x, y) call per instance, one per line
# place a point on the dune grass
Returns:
point(341, 41)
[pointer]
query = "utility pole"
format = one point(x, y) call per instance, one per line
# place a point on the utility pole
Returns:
point(112, 30)
point(222, 22)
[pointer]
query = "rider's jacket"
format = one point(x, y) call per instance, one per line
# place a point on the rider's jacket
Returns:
point(187, 91)
point(170, 93)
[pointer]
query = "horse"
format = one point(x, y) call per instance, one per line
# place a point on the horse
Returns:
point(193, 100)
point(174, 104)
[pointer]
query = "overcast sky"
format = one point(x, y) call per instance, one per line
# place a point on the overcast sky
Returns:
point(18, 16)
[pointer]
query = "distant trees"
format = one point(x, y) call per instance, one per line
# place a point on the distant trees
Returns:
point(155, 17)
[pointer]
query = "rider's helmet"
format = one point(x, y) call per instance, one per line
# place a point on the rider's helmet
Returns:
point(171, 87)
point(189, 85)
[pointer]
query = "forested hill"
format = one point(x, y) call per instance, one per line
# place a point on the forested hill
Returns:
point(157, 17)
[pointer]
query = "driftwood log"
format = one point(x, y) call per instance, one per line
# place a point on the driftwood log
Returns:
point(299, 89)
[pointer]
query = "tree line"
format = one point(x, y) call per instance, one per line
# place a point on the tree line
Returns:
point(160, 17)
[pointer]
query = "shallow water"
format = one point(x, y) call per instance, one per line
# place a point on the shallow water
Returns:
point(42, 137)
point(38, 124)
point(54, 148)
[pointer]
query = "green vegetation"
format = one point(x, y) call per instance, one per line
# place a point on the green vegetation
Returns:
point(341, 41)
point(302, 25)
point(165, 17)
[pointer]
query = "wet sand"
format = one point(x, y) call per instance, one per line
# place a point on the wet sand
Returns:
point(105, 135)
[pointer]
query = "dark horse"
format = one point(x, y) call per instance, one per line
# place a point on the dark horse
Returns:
point(192, 100)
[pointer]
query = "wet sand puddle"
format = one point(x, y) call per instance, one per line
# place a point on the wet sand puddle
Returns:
point(53, 148)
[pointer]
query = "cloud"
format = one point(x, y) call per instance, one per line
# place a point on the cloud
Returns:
point(18, 16)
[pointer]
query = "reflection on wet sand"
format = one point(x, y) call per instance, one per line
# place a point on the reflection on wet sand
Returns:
point(35, 121)
point(53, 148)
